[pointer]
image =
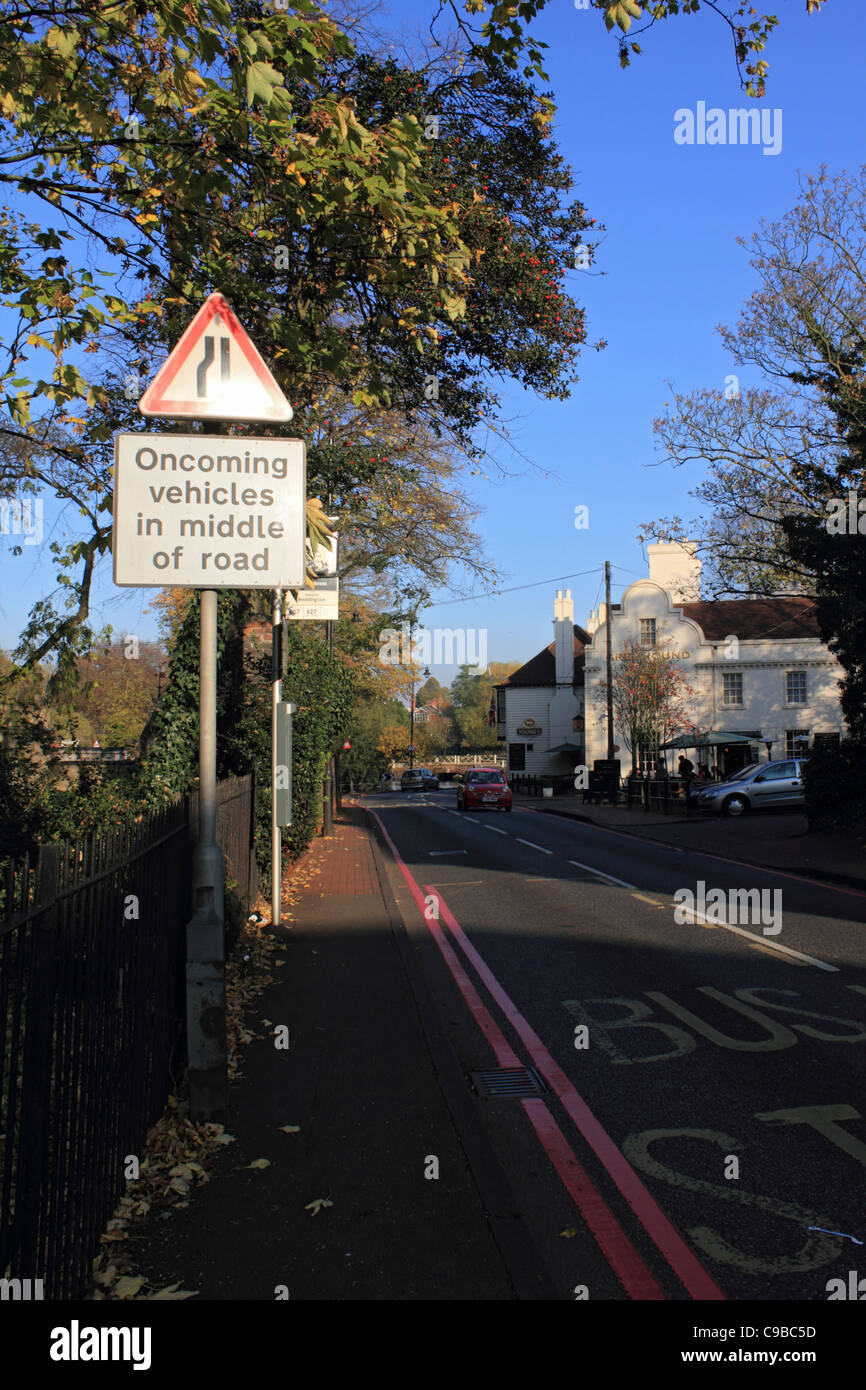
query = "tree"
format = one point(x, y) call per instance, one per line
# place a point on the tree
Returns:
point(219, 143)
point(174, 147)
point(116, 691)
point(395, 490)
point(787, 463)
point(780, 450)
point(650, 698)
point(430, 690)
point(503, 33)
point(470, 697)
point(375, 726)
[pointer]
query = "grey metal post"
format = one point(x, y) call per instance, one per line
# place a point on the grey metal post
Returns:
point(205, 934)
point(276, 695)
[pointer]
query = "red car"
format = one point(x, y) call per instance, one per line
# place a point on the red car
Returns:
point(483, 786)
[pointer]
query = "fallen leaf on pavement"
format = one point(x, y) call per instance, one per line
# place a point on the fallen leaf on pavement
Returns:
point(126, 1287)
point(316, 1206)
point(260, 1163)
point(288, 1129)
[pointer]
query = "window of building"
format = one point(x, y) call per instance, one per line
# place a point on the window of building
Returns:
point(500, 706)
point(732, 693)
point(646, 758)
point(647, 632)
point(796, 687)
point(796, 743)
point(825, 740)
point(517, 757)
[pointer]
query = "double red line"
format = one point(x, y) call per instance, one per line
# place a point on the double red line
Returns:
point(636, 1278)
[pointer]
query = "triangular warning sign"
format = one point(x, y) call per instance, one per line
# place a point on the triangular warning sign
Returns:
point(215, 373)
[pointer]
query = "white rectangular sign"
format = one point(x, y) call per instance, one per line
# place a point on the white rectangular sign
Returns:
point(208, 511)
point(322, 602)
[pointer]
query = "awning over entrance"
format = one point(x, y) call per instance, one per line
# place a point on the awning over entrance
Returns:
point(567, 747)
point(715, 740)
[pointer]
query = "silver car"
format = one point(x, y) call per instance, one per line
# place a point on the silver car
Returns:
point(753, 788)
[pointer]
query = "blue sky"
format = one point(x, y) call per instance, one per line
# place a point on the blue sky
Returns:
point(672, 272)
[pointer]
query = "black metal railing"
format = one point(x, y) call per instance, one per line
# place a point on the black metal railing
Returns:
point(665, 794)
point(533, 784)
point(92, 1005)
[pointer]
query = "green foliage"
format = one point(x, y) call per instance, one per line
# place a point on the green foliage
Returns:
point(430, 690)
point(38, 801)
point(835, 785)
point(372, 727)
point(318, 683)
point(29, 775)
point(114, 694)
point(504, 35)
point(170, 763)
point(216, 143)
point(470, 697)
point(321, 687)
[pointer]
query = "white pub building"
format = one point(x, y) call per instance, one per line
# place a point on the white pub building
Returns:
point(758, 669)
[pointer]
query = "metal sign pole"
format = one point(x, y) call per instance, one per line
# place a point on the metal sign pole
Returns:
point(276, 696)
point(157, 542)
point(205, 935)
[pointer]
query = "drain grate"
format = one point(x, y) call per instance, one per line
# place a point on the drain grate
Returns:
point(508, 1083)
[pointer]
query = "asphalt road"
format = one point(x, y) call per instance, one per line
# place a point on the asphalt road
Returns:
point(706, 1103)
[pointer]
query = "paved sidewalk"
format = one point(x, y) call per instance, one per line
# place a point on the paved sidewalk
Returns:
point(771, 840)
point(366, 1082)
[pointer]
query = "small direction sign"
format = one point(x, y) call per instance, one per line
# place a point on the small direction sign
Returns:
point(215, 373)
point(323, 600)
point(208, 511)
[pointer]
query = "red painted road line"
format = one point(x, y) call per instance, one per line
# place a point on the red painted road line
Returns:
point(708, 854)
point(658, 1227)
point(634, 1275)
point(609, 1236)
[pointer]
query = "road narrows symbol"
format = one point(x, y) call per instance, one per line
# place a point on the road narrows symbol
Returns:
point(190, 385)
point(207, 362)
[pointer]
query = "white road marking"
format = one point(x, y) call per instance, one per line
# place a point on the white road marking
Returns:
point(447, 851)
point(699, 918)
point(495, 829)
point(470, 883)
point(612, 877)
point(762, 946)
point(534, 846)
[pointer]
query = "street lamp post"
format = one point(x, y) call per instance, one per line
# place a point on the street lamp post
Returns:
point(426, 676)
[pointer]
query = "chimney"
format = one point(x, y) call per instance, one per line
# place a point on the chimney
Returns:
point(563, 633)
point(674, 566)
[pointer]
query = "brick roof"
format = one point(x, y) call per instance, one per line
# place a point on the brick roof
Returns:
point(754, 618)
point(541, 669)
